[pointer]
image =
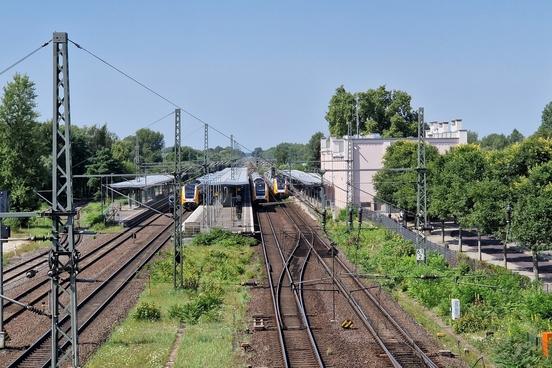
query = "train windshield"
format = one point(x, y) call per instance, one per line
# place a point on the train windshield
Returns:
point(259, 186)
point(189, 190)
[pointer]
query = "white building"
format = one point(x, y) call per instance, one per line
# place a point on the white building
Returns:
point(367, 159)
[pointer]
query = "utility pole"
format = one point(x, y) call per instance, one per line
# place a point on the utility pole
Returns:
point(63, 256)
point(232, 169)
point(357, 120)
point(137, 153)
point(350, 195)
point(4, 207)
point(421, 187)
point(205, 188)
point(178, 274)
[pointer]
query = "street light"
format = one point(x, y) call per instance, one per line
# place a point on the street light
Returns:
point(508, 222)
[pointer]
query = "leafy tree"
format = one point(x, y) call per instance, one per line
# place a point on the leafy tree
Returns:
point(399, 187)
point(20, 144)
point(515, 136)
point(257, 152)
point(103, 162)
point(340, 111)
point(380, 111)
point(462, 167)
point(472, 137)
point(313, 150)
point(545, 129)
point(151, 144)
point(494, 141)
point(532, 218)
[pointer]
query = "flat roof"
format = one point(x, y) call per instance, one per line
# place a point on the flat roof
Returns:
point(143, 182)
point(304, 177)
point(224, 177)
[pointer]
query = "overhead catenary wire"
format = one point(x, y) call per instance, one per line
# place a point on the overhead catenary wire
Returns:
point(25, 57)
point(151, 90)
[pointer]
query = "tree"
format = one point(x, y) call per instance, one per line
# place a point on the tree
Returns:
point(545, 129)
point(399, 187)
point(151, 144)
point(102, 163)
point(515, 136)
point(472, 137)
point(257, 152)
point(494, 141)
point(461, 168)
point(21, 145)
point(382, 111)
point(313, 151)
point(340, 111)
point(532, 223)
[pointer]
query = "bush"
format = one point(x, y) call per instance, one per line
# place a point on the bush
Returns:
point(222, 237)
point(147, 312)
point(191, 312)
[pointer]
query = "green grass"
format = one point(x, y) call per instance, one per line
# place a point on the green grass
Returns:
point(91, 217)
point(502, 312)
point(215, 270)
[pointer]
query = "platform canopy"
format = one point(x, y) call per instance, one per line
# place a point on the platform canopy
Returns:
point(224, 177)
point(143, 182)
point(308, 179)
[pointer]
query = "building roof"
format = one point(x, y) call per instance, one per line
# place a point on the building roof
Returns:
point(224, 177)
point(303, 177)
point(143, 182)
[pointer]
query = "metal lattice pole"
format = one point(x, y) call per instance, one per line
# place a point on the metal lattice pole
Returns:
point(63, 256)
point(232, 166)
point(350, 168)
point(137, 153)
point(178, 274)
point(421, 187)
point(421, 197)
point(206, 183)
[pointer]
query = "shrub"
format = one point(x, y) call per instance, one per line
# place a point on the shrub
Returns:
point(223, 237)
point(147, 312)
point(191, 312)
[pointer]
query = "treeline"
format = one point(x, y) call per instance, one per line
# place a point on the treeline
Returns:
point(299, 156)
point(26, 145)
point(481, 185)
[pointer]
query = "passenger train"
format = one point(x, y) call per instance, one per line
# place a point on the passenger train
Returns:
point(191, 196)
point(278, 184)
point(259, 188)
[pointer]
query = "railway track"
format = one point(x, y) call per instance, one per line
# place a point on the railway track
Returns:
point(286, 270)
point(38, 291)
point(38, 354)
point(398, 346)
point(40, 260)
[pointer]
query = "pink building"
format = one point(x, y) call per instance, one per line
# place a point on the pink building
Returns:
point(367, 159)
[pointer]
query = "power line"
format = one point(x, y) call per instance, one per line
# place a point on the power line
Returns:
point(26, 57)
point(151, 90)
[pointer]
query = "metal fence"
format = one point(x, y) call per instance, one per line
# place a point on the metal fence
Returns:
point(379, 218)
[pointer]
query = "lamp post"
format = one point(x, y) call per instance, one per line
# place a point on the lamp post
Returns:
point(508, 223)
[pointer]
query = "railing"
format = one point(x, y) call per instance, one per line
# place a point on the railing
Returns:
point(379, 218)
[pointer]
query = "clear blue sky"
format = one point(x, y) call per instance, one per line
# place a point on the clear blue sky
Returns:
point(265, 71)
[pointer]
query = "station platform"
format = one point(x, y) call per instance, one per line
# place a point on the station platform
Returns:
point(219, 217)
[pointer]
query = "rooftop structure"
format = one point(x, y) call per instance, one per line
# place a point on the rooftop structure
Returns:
point(305, 178)
point(225, 177)
point(143, 182)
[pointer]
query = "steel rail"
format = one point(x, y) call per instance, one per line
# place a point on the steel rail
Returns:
point(302, 312)
point(275, 303)
point(116, 242)
point(358, 308)
point(42, 339)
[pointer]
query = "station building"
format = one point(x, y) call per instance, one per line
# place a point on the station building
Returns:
point(367, 158)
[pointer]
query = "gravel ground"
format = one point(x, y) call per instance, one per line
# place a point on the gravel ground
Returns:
point(339, 347)
point(28, 326)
